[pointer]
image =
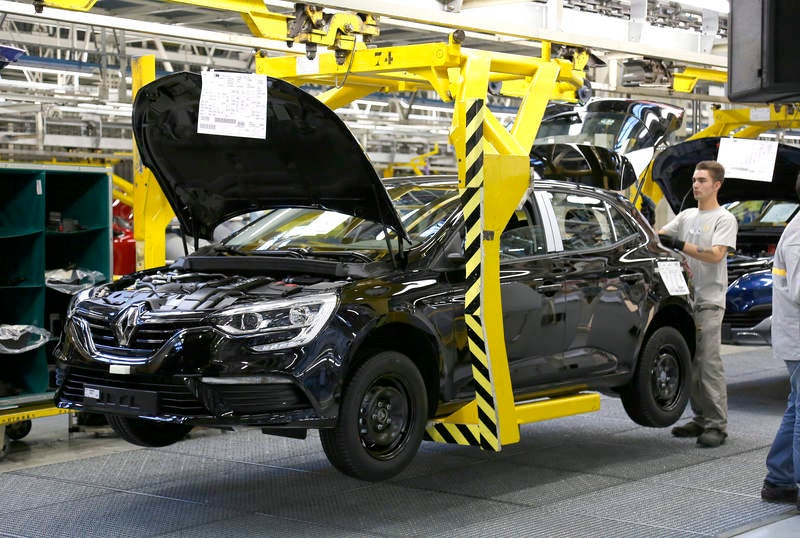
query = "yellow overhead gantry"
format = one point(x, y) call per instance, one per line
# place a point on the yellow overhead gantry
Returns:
point(493, 172)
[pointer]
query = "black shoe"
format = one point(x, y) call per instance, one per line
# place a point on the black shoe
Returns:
point(778, 494)
point(690, 429)
point(712, 438)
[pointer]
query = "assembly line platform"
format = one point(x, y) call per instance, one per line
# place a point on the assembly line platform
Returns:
point(597, 474)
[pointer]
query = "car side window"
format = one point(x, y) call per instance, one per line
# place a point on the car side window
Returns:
point(622, 226)
point(522, 237)
point(583, 221)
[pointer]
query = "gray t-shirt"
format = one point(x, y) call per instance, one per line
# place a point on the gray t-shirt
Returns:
point(706, 229)
point(786, 294)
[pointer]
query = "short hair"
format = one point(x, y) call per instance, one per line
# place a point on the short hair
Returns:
point(716, 170)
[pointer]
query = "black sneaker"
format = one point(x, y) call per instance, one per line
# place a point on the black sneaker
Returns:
point(690, 429)
point(778, 494)
point(712, 438)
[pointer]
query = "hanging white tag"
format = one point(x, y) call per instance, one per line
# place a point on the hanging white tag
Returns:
point(672, 276)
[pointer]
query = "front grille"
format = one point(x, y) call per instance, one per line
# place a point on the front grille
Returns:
point(148, 336)
point(255, 399)
point(174, 397)
point(737, 270)
point(744, 320)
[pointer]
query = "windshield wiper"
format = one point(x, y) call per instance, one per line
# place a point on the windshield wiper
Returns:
point(288, 253)
point(360, 256)
point(228, 250)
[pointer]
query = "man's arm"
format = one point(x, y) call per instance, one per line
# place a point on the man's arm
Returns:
point(715, 254)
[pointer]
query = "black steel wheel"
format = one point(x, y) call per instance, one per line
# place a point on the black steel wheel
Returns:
point(659, 390)
point(18, 430)
point(147, 432)
point(381, 419)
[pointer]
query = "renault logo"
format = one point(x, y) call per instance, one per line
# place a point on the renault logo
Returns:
point(126, 321)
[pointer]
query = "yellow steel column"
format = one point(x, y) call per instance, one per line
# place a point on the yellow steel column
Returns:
point(151, 211)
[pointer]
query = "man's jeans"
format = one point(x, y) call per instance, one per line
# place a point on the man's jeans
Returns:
point(783, 460)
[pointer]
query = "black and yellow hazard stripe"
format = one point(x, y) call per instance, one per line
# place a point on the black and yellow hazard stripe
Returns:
point(472, 202)
point(459, 434)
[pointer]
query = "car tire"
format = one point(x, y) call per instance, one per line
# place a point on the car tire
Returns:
point(659, 390)
point(381, 420)
point(18, 430)
point(147, 432)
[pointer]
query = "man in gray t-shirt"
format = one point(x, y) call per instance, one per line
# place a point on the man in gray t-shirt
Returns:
point(706, 234)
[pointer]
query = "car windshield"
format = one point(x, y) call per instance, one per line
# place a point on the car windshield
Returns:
point(763, 213)
point(423, 209)
point(611, 130)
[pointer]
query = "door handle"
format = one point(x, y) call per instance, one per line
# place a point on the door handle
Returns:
point(548, 288)
point(631, 277)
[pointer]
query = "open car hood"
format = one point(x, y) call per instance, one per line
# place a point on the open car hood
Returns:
point(308, 159)
point(584, 164)
point(673, 169)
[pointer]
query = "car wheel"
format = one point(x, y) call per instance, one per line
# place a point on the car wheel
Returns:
point(18, 430)
point(659, 390)
point(381, 420)
point(147, 432)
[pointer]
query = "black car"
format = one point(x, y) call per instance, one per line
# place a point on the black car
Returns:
point(762, 209)
point(342, 307)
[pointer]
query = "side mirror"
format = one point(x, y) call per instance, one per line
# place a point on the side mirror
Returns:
point(455, 259)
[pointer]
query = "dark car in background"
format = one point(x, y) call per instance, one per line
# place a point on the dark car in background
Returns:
point(762, 209)
point(342, 307)
point(630, 127)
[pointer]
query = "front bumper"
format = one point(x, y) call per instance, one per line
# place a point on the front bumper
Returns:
point(199, 376)
point(270, 400)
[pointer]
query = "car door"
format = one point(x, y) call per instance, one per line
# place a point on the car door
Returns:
point(621, 312)
point(590, 293)
point(532, 299)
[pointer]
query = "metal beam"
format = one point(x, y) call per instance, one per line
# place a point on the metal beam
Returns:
point(164, 30)
point(529, 21)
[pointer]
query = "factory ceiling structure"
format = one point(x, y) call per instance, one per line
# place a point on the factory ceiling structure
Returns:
point(68, 96)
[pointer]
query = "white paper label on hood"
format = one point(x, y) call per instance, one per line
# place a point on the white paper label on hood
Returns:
point(748, 159)
point(233, 104)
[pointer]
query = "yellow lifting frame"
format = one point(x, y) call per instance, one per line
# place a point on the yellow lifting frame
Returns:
point(29, 412)
point(494, 174)
point(751, 121)
point(151, 210)
point(415, 163)
point(686, 80)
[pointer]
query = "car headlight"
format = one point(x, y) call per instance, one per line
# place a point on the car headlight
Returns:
point(282, 324)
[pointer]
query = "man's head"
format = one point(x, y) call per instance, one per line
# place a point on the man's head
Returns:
point(706, 182)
